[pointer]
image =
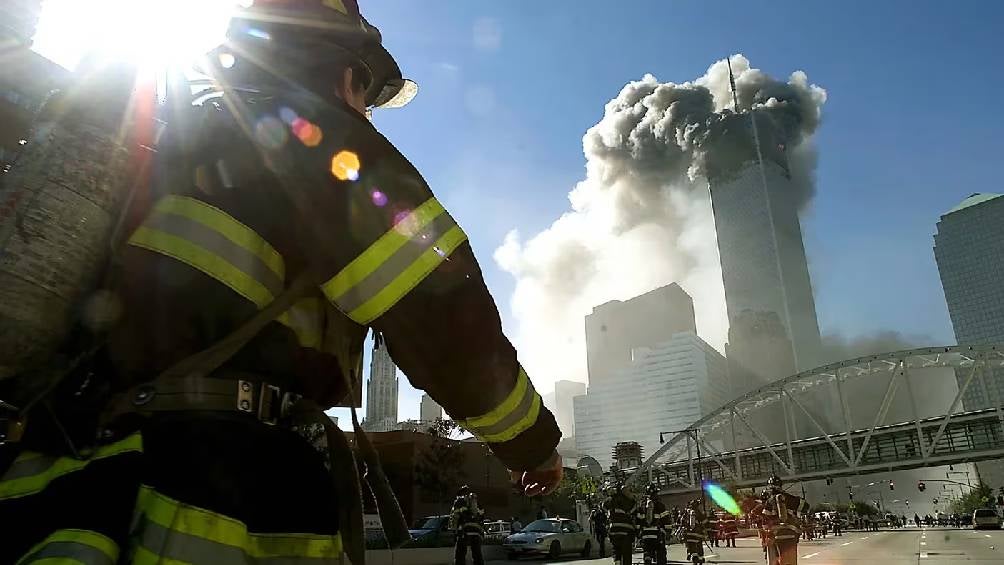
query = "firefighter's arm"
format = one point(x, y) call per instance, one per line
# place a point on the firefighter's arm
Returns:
point(407, 270)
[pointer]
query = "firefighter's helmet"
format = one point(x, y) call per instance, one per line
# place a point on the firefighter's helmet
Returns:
point(775, 482)
point(297, 40)
point(464, 491)
point(694, 504)
point(652, 489)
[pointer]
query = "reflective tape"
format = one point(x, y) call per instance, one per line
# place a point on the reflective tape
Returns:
point(214, 242)
point(73, 546)
point(31, 473)
point(397, 262)
point(514, 415)
point(170, 530)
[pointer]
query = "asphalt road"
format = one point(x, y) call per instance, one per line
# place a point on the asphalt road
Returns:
point(896, 547)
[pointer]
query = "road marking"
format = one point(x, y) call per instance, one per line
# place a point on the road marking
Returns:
point(986, 535)
point(923, 555)
point(866, 537)
point(923, 543)
point(848, 543)
point(810, 555)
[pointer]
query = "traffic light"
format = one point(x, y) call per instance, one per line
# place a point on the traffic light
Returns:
point(908, 503)
point(921, 486)
point(892, 486)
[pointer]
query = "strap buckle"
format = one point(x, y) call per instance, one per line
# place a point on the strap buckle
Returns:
point(272, 403)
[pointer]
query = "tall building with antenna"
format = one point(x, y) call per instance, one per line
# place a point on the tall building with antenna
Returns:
point(381, 390)
point(773, 331)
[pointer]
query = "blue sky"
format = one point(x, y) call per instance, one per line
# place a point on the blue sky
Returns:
point(910, 125)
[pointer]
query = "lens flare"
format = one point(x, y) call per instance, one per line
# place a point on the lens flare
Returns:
point(345, 165)
point(308, 133)
point(270, 133)
point(722, 498)
point(287, 115)
point(379, 198)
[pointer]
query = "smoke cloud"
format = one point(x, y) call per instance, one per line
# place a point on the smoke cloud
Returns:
point(642, 217)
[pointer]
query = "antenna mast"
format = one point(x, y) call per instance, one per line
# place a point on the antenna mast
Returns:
point(732, 82)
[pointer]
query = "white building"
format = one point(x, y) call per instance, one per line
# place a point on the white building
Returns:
point(614, 328)
point(381, 390)
point(429, 410)
point(666, 387)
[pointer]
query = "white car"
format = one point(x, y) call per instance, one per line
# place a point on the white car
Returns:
point(986, 518)
point(550, 537)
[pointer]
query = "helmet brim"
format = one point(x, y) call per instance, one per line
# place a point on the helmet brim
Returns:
point(388, 89)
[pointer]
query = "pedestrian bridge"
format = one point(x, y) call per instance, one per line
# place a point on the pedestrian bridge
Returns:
point(734, 444)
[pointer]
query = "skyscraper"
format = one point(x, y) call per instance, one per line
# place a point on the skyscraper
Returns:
point(564, 411)
point(613, 329)
point(969, 250)
point(381, 390)
point(773, 330)
point(429, 410)
point(667, 386)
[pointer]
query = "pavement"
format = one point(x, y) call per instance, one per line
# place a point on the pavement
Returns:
point(919, 546)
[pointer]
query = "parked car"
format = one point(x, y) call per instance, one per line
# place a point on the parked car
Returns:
point(986, 518)
point(551, 537)
point(496, 531)
point(497, 527)
point(432, 531)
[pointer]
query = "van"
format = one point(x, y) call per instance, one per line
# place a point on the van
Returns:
point(986, 518)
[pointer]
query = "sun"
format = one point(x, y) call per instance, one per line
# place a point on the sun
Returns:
point(149, 32)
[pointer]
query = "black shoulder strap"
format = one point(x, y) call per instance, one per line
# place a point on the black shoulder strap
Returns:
point(208, 360)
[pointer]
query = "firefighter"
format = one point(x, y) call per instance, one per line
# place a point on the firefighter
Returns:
point(280, 192)
point(714, 529)
point(600, 526)
point(619, 507)
point(729, 529)
point(466, 517)
point(780, 521)
point(653, 520)
point(694, 531)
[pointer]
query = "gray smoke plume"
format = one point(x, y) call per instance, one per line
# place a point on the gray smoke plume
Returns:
point(642, 218)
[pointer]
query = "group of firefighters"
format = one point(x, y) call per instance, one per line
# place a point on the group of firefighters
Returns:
point(778, 516)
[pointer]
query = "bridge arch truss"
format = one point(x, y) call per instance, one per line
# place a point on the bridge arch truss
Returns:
point(782, 427)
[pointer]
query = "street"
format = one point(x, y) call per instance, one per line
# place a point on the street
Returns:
point(911, 545)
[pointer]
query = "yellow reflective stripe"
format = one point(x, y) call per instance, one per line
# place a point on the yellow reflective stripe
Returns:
point(73, 546)
point(64, 465)
point(514, 415)
point(219, 221)
point(335, 5)
point(203, 260)
point(409, 279)
point(143, 556)
point(175, 516)
point(519, 427)
point(504, 408)
point(306, 319)
point(371, 259)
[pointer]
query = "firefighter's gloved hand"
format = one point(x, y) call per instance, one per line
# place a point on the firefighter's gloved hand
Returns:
point(543, 479)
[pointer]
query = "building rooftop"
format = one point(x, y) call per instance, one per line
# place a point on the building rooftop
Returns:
point(973, 200)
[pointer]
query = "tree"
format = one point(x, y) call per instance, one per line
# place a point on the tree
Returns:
point(573, 486)
point(980, 497)
point(439, 468)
